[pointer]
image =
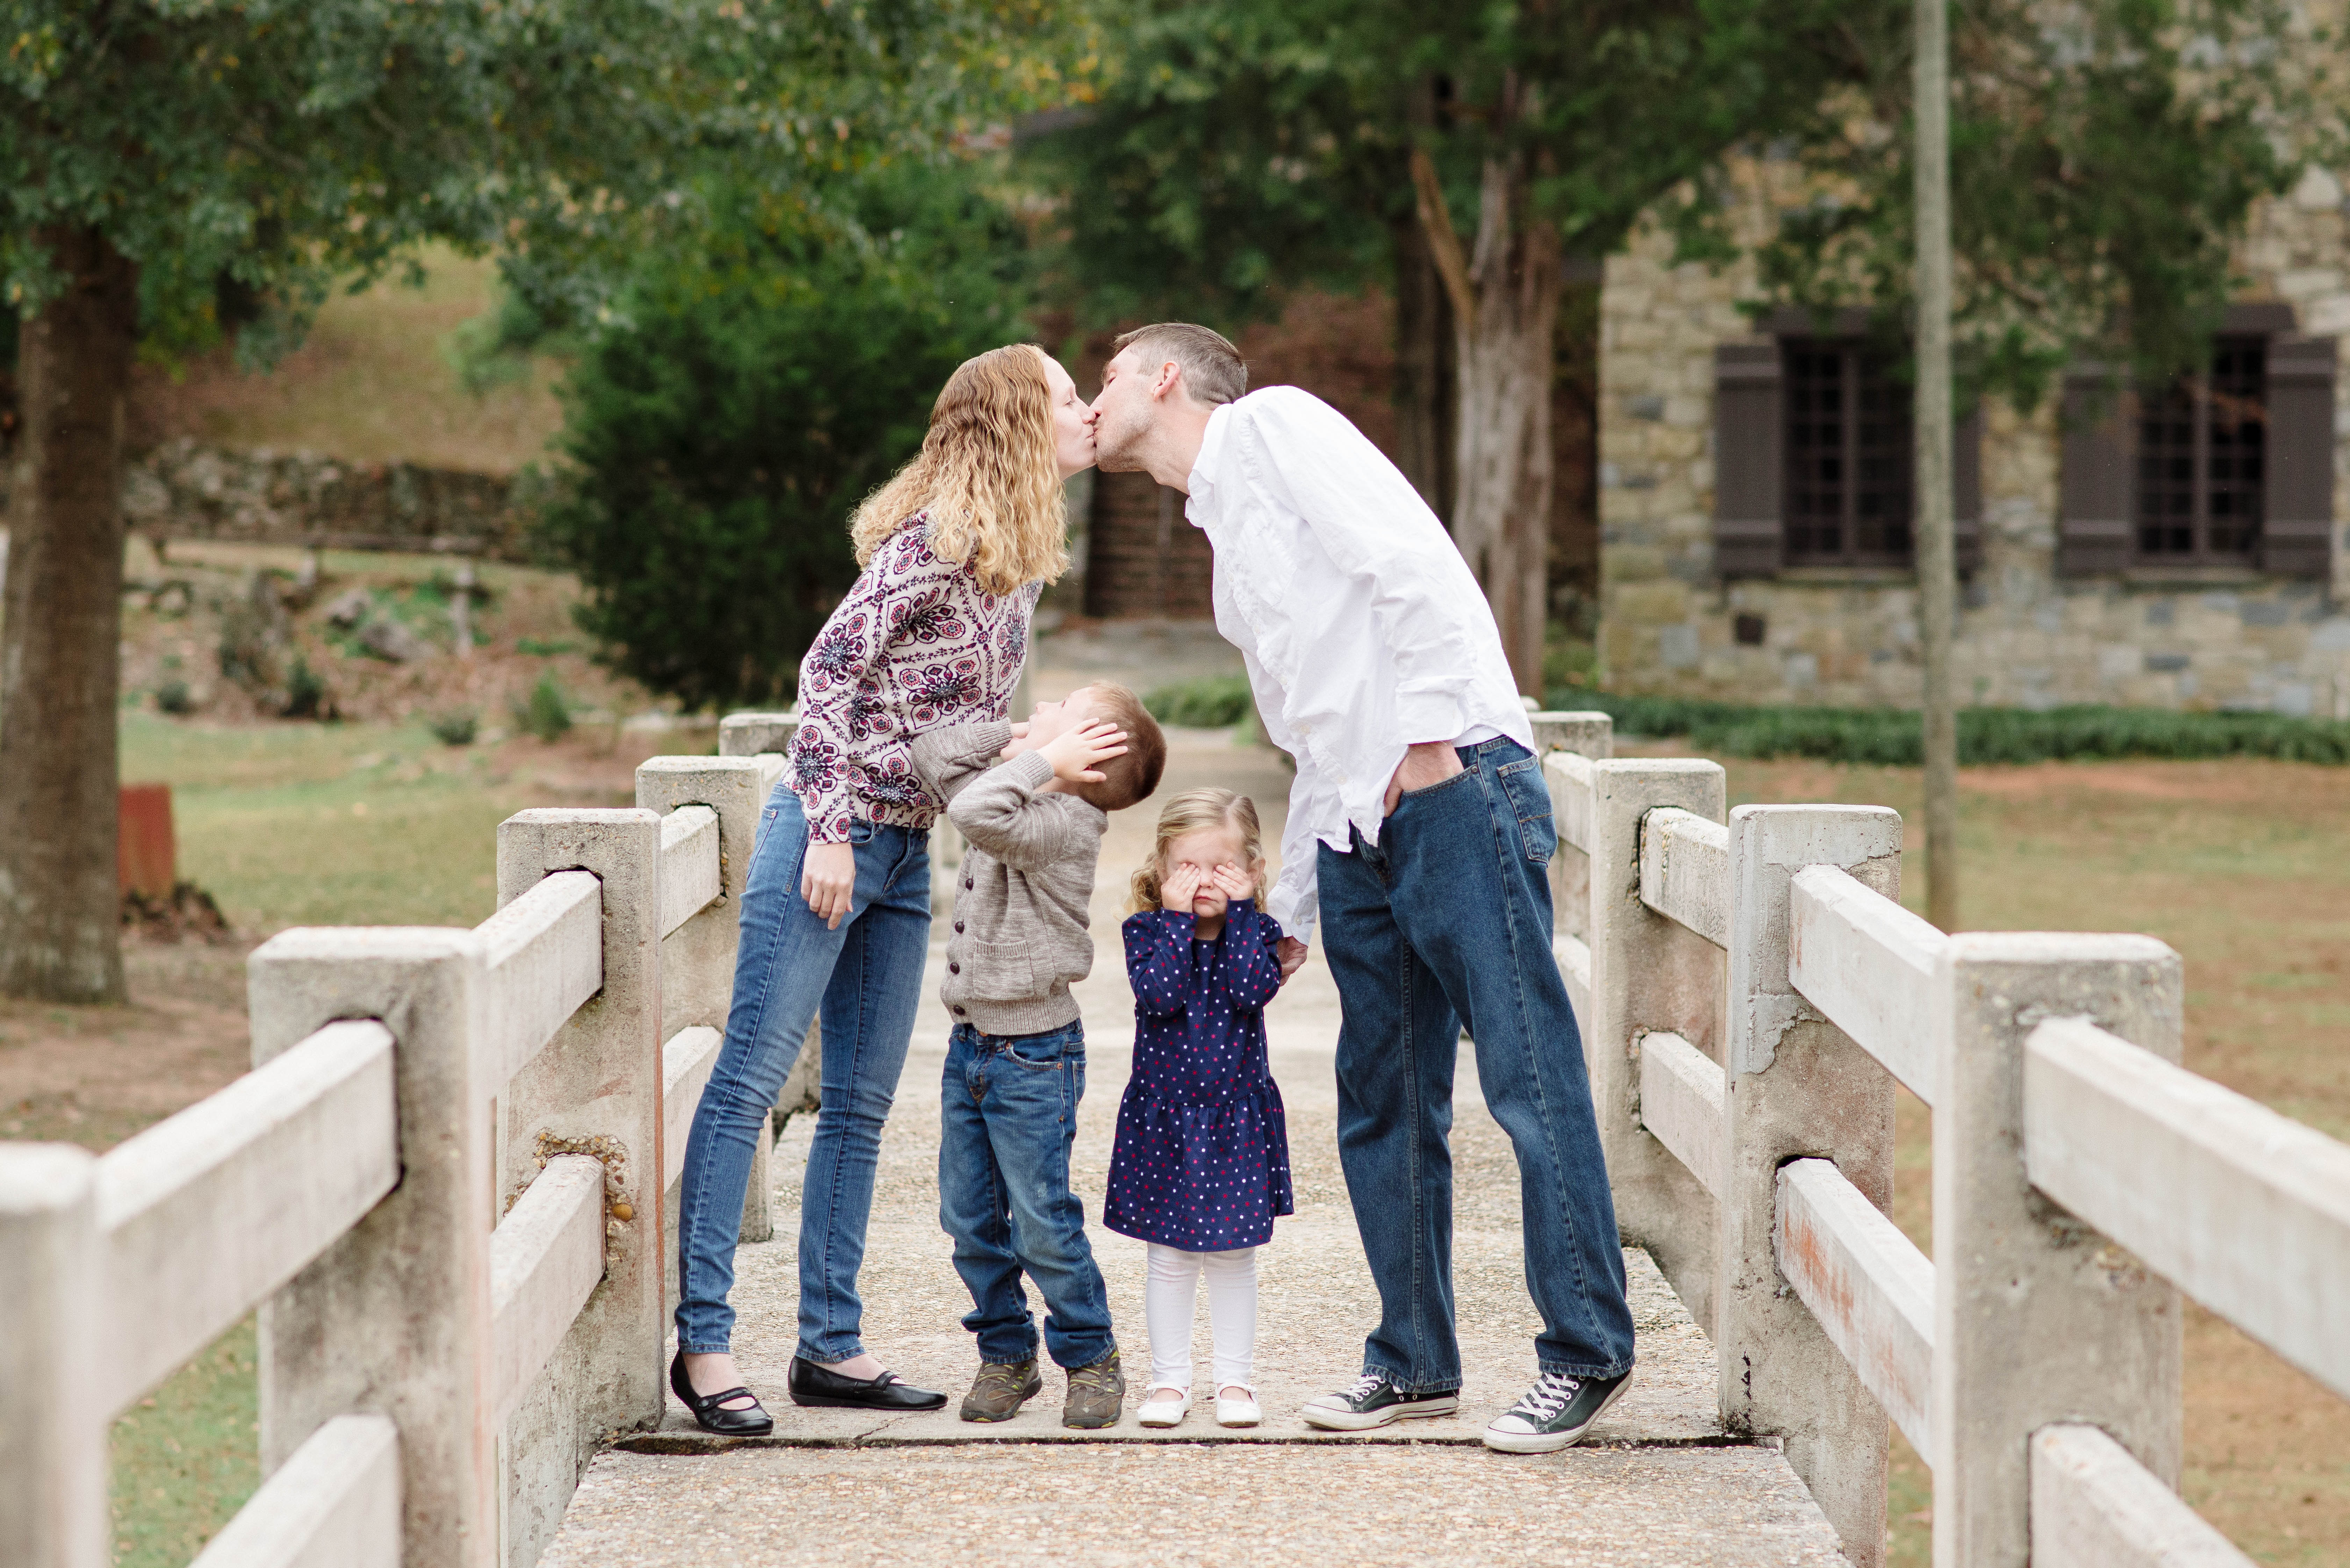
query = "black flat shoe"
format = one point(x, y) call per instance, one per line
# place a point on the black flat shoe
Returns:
point(813, 1385)
point(709, 1408)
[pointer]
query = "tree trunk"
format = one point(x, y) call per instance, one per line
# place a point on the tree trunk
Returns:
point(60, 664)
point(1425, 394)
point(1426, 388)
point(1574, 583)
point(1501, 513)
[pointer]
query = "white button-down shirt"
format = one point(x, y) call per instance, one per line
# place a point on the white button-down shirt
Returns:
point(1363, 628)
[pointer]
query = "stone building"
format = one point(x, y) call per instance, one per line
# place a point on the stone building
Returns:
point(2172, 548)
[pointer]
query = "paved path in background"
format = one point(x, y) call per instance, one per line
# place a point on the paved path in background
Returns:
point(1657, 1482)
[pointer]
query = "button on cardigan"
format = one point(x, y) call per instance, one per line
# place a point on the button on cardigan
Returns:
point(1201, 1159)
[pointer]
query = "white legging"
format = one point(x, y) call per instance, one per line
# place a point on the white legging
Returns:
point(1169, 1296)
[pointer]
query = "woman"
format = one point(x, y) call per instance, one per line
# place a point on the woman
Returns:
point(955, 550)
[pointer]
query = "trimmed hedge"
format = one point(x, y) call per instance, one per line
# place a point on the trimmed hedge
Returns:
point(1891, 736)
point(1211, 703)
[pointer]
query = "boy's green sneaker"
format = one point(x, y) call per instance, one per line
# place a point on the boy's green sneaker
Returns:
point(1096, 1396)
point(1000, 1388)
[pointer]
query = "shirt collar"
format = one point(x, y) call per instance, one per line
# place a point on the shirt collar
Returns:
point(1205, 467)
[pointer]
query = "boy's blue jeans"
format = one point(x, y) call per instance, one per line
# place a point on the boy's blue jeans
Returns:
point(868, 977)
point(1447, 922)
point(1009, 1112)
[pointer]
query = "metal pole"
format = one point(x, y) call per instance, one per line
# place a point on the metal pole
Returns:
point(1937, 562)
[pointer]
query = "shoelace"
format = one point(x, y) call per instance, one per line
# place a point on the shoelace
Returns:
point(1365, 1386)
point(1549, 1396)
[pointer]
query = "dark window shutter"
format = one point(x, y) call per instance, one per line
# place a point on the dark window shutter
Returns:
point(1966, 490)
point(2297, 525)
point(1747, 440)
point(2092, 524)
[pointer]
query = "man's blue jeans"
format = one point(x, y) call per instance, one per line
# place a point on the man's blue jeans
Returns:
point(1447, 922)
point(1008, 1112)
point(868, 977)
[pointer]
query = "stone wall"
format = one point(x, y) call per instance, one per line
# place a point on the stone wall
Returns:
point(1671, 623)
point(184, 490)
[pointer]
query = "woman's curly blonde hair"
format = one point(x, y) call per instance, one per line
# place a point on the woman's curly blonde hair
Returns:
point(1189, 813)
point(985, 476)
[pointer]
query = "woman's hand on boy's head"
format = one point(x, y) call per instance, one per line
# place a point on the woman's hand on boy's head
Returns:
point(1180, 889)
point(1074, 754)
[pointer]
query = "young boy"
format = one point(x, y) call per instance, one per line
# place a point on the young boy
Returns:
point(1033, 801)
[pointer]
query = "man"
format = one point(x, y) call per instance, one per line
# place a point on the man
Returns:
point(1419, 828)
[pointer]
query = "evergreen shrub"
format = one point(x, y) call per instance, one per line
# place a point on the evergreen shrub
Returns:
point(1211, 703)
point(742, 399)
point(543, 713)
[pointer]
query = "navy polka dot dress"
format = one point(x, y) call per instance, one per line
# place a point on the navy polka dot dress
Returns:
point(1201, 1160)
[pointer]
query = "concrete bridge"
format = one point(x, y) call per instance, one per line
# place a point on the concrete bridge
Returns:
point(447, 1185)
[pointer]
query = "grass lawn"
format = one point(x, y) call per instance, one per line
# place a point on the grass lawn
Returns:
point(374, 382)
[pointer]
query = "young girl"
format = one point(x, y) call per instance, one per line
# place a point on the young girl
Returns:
point(1201, 1166)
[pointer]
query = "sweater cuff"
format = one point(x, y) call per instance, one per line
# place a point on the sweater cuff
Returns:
point(988, 737)
point(1030, 770)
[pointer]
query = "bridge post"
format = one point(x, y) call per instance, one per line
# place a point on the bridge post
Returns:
point(595, 1089)
point(697, 957)
point(2037, 1317)
point(1591, 735)
point(52, 1432)
point(394, 1317)
point(1796, 1087)
point(1649, 973)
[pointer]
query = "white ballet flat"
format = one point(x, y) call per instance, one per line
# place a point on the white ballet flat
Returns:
point(1240, 1412)
point(1163, 1412)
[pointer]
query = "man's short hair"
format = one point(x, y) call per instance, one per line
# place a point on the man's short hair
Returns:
point(1130, 777)
point(1213, 371)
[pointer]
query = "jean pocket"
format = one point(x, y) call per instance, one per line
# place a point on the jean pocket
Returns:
point(1529, 797)
point(766, 825)
point(1424, 791)
point(1047, 1052)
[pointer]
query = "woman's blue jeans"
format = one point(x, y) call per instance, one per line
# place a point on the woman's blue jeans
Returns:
point(867, 977)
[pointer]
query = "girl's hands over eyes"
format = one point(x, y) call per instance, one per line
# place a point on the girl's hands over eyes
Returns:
point(1180, 887)
point(1234, 883)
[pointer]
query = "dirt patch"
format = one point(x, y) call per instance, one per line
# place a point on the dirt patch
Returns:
point(94, 1076)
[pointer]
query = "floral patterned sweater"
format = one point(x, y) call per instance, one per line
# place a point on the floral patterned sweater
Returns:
point(917, 644)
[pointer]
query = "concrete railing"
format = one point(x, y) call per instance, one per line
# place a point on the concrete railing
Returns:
point(447, 1184)
point(1750, 992)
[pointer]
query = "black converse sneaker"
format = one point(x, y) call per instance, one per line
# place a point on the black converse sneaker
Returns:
point(1374, 1401)
point(1554, 1414)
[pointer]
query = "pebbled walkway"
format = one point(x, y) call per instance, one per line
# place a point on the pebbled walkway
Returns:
point(1657, 1482)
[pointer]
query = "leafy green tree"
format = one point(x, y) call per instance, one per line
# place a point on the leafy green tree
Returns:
point(170, 166)
point(2104, 164)
point(746, 396)
point(1233, 150)
point(2103, 161)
